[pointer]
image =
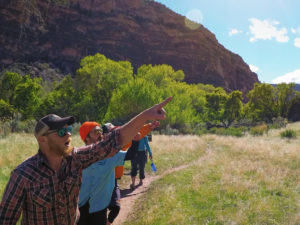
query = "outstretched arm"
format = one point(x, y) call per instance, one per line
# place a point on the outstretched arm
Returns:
point(129, 130)
point(147, 128)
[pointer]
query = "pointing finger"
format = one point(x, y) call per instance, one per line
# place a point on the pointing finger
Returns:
point(162, 104)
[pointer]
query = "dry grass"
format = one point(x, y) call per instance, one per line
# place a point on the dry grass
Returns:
point(248, 180)
point(169, 152)
point(229, 180)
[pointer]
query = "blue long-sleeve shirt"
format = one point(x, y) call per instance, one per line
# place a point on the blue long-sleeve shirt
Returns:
point(98, 181)
point(144, 145)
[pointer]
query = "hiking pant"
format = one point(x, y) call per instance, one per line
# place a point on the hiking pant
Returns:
point(96, 218)
point(139, 163)
point(114, 205)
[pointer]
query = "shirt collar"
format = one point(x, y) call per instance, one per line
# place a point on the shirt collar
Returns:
point(41, 158)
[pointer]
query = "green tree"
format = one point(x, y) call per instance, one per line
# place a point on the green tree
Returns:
point(86, 109)
point(262, 104)
point(161, 75)
point(285, 93)
point(294, 110)
point(130, 99)
point(215, 104)
point(206, 87)
point(233, 108)
point(8, 83)
point(26, 98)
point(96, 80)
point(61, 100)
point(180, 111)
point(6, 110)
point(187, 107)
point(198, 101)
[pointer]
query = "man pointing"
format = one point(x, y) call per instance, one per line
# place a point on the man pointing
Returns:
point(45, 187)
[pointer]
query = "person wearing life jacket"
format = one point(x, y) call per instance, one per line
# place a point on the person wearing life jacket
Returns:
point(133, 145)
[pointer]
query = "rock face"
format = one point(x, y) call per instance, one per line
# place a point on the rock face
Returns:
point(140, 31)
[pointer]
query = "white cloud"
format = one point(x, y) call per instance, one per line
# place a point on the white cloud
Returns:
point(292, 77)
point(267, 30)
point(234, 31)
point(297, 42)
point(295, 30)
point(254, 68)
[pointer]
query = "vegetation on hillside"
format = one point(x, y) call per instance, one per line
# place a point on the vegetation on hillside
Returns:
point(106, 90)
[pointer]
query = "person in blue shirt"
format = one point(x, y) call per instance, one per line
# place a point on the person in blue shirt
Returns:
point(139, 161)
point(98, 182)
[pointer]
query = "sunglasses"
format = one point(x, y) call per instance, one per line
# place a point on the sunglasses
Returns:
point(98, 131)
point(62, 131)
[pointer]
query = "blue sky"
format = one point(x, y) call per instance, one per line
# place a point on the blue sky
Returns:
point(265, 33)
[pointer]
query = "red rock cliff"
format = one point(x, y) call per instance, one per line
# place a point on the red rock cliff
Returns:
point(140, 31)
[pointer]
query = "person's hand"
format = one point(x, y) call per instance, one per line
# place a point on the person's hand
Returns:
point(154, 124)
point(137, 136)
point(150, 157)
point(157, 111)
point(129, 129)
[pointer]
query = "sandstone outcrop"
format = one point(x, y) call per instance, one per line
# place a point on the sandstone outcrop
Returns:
point(140, 31)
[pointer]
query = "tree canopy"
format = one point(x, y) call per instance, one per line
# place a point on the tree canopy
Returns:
point(105, 90)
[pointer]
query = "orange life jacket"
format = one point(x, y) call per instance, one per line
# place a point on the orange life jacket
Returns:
point(119, 170)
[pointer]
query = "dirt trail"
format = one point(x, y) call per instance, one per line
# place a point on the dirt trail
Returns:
point(128, 196)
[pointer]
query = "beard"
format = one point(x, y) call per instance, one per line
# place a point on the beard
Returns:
point(99, 138)
point(93, 140)
point(60, 150)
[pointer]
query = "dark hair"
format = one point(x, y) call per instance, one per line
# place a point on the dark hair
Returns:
point(105, 129)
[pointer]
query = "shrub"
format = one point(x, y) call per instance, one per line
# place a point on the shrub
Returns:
point(244, 122)
point(231, 131)
point(237, 132)
point(183, 128)
point(288, 134)
point(196, 129)
point(259, 129)
point(220, 131)
point(243, 129)
point(212, 130)
point(169, 131)
point(17, 124)
point(5, 128)
point(200, 131)
point(26, 126)
point(278, 122)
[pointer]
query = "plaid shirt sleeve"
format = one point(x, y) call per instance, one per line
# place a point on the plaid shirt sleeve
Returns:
point(12, 200)
point(101, 150)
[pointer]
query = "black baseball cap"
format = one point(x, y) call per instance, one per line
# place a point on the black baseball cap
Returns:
point(106, 128)
point(51, 122)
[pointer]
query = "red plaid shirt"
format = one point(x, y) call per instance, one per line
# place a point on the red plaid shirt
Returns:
point(44, 196)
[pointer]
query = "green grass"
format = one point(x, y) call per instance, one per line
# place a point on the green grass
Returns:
point(229, 180)
point(169, 152)
point(14, 149)
point(288, 134)
point(198, 196)
point(248, 180)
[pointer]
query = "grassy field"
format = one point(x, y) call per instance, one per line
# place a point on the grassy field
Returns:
point(228, 180)
point(248, 180)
